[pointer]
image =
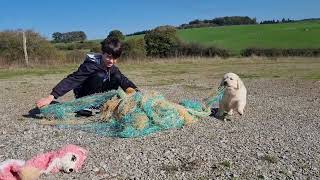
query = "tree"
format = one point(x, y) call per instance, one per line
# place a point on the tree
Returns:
point(162, 41)
point(69, 36)
point(57, 37)
point(116, 34)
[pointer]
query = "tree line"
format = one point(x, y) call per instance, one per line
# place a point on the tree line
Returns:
point(277, 21)
point(58, 37)
point(162, 42)
point(225, 21)
point(219, 21)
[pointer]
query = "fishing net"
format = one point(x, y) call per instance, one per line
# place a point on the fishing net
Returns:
point(127, 115)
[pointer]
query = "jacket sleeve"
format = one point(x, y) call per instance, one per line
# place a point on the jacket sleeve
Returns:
point(125, 82)
point(73, 80)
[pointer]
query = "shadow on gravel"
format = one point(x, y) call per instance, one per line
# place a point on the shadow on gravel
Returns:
point(215, 114)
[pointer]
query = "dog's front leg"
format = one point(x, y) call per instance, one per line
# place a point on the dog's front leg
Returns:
point(240, 108)
point(230, 112)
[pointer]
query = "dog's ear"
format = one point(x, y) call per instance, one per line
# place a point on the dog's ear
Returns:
point(221, 83)
point(239, 83)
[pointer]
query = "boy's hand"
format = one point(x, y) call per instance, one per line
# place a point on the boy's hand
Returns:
point(130, 90)
point(44, 101)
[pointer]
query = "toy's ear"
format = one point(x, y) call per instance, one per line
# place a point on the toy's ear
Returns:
point(83, 151)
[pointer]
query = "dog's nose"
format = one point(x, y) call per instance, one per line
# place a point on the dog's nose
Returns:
point(70, 170)
point(225, 83)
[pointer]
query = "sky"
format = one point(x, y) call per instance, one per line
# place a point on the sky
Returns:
point(98, 17)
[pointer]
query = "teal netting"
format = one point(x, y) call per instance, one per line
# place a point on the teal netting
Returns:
point(133, 115)
point(67, 109)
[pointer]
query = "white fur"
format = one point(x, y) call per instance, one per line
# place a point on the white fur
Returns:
point(64, 163)
point(234, 97)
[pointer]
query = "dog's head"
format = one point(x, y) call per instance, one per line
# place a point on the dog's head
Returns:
point(231, 81)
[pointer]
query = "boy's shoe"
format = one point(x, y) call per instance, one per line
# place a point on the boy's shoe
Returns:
point(87, 112)
point(84, 112)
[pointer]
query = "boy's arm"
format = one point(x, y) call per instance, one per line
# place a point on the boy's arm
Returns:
point(70, 82)
point(73, 80)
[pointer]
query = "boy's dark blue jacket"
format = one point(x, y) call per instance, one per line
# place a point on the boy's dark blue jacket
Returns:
point(92, 65)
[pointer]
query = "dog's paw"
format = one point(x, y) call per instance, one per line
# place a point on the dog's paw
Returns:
point(227, 118)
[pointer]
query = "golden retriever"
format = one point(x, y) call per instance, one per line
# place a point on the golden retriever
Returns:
point(234, 97)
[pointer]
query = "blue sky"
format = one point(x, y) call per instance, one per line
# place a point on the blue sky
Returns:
point(97, 17)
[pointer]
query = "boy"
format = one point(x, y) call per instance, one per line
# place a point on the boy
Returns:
point(97, 74)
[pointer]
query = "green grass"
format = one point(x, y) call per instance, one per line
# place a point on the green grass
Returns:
point(290, 35)
point(226, 163)
point(304, 34)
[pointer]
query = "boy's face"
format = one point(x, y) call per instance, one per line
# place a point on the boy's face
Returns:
point(108, 60)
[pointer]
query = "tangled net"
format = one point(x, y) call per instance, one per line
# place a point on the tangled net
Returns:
point(129, 115)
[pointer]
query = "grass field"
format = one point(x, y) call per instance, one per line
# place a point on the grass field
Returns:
point(235, 38)
point(163, 72)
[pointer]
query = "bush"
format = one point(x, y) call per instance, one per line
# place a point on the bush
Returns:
point(161, 42)
point(83, 45)
point(38, 48)
point(96, 48)
point(194, 49)
point(214, 51)
point(75, 56)
point(273, 52)
point(134, 49)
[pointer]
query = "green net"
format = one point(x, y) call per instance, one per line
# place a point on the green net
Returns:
point(130, 115)
point(67, 109)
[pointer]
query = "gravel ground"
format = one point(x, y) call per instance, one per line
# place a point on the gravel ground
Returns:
point(278, 136)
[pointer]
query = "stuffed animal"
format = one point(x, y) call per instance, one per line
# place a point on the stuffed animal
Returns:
point(67, 159)
point(9, 169)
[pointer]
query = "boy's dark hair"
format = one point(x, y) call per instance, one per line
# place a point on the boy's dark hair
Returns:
point(111, 46)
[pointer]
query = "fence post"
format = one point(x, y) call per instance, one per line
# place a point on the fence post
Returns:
point(25, 48)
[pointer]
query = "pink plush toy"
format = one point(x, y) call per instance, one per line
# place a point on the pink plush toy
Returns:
point(9, 169)
point(67, 159)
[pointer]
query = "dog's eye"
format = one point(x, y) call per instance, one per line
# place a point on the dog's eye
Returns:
point(73, 158)
point(231, 79)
